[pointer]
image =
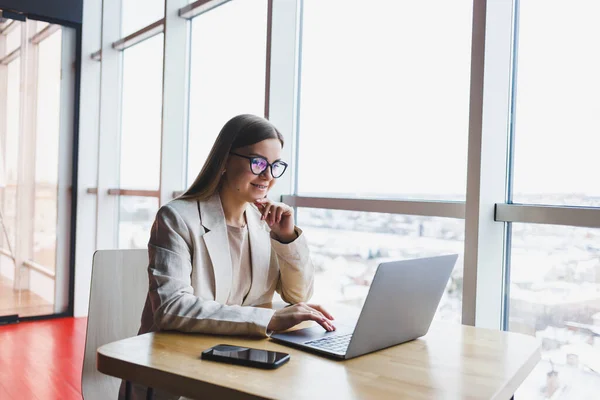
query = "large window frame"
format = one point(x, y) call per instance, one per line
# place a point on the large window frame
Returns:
point(488, 210)
point(29, 274)
point(106, 187)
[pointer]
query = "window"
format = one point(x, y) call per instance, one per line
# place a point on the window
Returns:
point(12, 151)
point(47, 143)
point(136, 215)
point(227, 70)
point(556, 129)
point(347, 246)
point(384, 104)
point(555, 270)
point(555, 296)
point(40, 26)
point(141, 115)
point(13, 38)
point(140, 139)
point(137, 14)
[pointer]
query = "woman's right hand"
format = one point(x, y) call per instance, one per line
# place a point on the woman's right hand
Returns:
point(292, 315)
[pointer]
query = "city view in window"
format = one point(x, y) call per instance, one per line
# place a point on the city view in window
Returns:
point(554, 283)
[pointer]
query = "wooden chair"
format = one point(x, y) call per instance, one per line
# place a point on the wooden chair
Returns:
point(117, 296)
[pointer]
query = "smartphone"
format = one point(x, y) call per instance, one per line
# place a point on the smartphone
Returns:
point(246, 356)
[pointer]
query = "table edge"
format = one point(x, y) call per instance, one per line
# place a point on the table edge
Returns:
point(170, 382)
point(516, 381)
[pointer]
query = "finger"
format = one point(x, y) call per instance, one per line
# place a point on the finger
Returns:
point(328, 326)
point(323, 317)
point(278, 214)
point(265, 212)
point(288, 213)
point(301, 316)
point(322, 310)
point(261, 203)
point(273, 214)
point(307, 316)
point(313, 311)
point(314, 315)
point(260, 207)
point(288, 210)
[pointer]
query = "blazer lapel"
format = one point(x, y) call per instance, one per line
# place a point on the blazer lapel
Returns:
point(260, 254)
point(217, 245)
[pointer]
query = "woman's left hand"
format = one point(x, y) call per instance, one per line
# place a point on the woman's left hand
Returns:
point(280, 218)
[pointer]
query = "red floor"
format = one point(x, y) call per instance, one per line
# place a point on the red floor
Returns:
point(42, 360)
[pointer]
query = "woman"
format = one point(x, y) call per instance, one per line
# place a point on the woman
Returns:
point(223, 247)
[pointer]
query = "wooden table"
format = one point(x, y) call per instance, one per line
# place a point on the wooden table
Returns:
point(450, 362)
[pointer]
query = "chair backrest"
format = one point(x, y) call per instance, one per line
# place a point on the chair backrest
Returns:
point(117, 296)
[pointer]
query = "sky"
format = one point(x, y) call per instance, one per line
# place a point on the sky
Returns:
point(557, 136)
point(384, 97)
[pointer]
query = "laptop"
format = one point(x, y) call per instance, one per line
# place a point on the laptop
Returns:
point(399, 307)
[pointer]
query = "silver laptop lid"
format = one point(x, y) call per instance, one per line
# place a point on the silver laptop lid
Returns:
point(401, 303)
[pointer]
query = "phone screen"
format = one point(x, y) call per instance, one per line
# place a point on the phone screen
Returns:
point(244, 355)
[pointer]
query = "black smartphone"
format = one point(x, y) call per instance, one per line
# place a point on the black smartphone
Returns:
point(246, 356)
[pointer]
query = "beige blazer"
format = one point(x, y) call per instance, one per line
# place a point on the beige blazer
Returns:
point(190, 271)
point(190, 275)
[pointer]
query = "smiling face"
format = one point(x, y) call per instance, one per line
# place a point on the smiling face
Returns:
point(239, 178)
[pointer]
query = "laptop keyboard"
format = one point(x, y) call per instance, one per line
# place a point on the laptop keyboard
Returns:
point(335, 344)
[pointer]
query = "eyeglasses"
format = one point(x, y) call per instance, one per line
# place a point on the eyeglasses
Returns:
point(258, 165)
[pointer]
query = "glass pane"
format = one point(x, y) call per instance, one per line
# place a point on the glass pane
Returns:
point(227, 72)
point(47, 141)
point(385, 98)
point(136, 215)
point(347, 246)
point(555, 296)
point(12, 152)
point(557, 123)
point(138, 14)
point(40, 25)
point(141, 117)
point(38, 293)
point(13, 39)
point(10, 300)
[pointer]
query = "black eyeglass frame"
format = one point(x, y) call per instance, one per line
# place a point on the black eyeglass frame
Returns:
point(269, 165)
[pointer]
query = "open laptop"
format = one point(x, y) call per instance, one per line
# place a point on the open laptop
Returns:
point(399, 307)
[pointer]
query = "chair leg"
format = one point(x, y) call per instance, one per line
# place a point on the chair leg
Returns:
point(149, 393)
point(127, 390)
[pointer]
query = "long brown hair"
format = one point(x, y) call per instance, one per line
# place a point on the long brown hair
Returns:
point(242, 130)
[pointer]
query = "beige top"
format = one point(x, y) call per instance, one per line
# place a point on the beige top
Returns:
point(241, 273)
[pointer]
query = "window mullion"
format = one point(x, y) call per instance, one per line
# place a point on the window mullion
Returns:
point(487, 162)
point(283, 84)
point(175, 101)
point(65, 168)
point(110, 127)
point(23, 247)
point(3, 129)
point(87, 155)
